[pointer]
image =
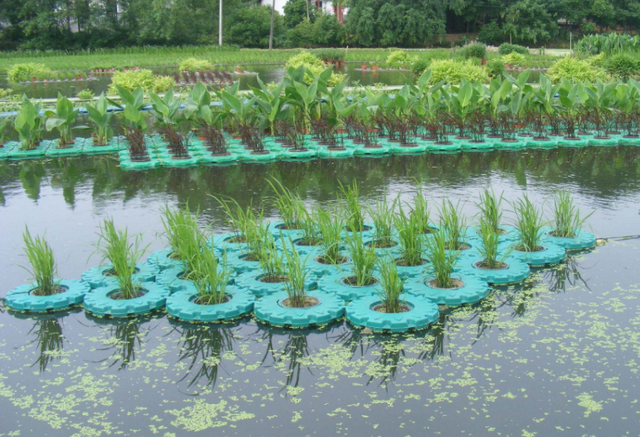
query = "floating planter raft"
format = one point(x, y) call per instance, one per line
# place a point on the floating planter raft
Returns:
point(551, 254)
point(272, 309)
point(73, 149)
point(253, 281)
point(101, 302)
point(173, 279)
point(35, 153)
point(471, 290)
point(515, 270)
point(183, 306)
point(7, 148)
point(22, 298)
point(337, 285)
point(583, 240)
point(162, 259)
point(100, 276)
point(421, 312)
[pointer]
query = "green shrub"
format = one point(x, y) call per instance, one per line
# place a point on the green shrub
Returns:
point(145, 79)
point(452, 71)
point(329, 55)
point(506, 48)
point(622, 65)
point(85, 94)
point(572, 68)
point(194, 65)
point(491, 33)
point(475, 50)
point(607, 43)
point(514, 58)
point(25, 72)
point(495, 68)
point(399, 59)
point(314, 65)
point(419, 66)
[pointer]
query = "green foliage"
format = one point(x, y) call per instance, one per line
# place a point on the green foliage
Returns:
point(506, 49)
point(363, 259)
point(26, 72)
point(210, 277)
point(495, 68)
point(474, 50)
point(452, 71)
point(251, 25)
point(490, 236)
point(575, 69)
point(353, 210)
point(529, 221)
point(43, 266)
point(330, 228)
point(623, 65)
point(329, 55)
point(607, 43)
point(392, 287)
point(295, 12)
point(314, 66)
point(419, 66)
point(183, 235)
point(491, 33)
point(399, 59)
point(296, 276)
point(100, 117)
point(515, 59)
point(62, 119)
point(441, 259)
point(86, 94)
point(145, 79)
point(194, 65)
point(567, 220)
point(29, 124)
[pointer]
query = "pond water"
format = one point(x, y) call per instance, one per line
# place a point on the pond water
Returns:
point(557, 355)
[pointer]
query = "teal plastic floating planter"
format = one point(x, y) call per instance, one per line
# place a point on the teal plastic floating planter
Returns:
point(241, 262)
point(74, 149)
point(127, 164)
point(7, 148)
point(337, 285)
point(173, 279)
point(325, 152)
point(209, 158)
point(266, 156)
point(22, 299)
point(509, 145)
point(278, 229)
point(100, 302)
point(470, 145)
point(406, 272)
point(472, 290)
point(226, 242)
point(603, 142)
point(579, 142)
point(550, 255)
point(99, 276)
point(170, 161)
point(272, 310)
point(291, 154)
point(408, 149)
point(162, 259)
point(254, 282)
point(510, 233)
point(183, 306)
point(582, 241)
point(377, 150)
point(440, 147)
point(320, 269)
point(542, 144)
point(92, 148)
point(629, 141)
point(515, 271)
point(38, 152)
point(422, 312)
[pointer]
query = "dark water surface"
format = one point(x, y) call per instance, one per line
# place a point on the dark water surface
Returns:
point(558, 355)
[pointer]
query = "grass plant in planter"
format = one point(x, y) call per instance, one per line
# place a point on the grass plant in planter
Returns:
point(567, 229)
point(391, 309)
point(211, 297)
point(126, 295)
point(46, 293)
point(272, 273)
point(382, 217)
point(411, 236)
point(354, 212)
point(453, 226)
point(298, 306)
point(329, 257)
point(491, 210)
point(289, 206)
point(245, 224)
point(531, 248)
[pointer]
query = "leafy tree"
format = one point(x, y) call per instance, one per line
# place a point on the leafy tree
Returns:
point(295, 11)
point(251, 25)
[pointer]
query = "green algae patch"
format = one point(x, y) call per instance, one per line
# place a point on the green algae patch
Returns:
point(203, 415)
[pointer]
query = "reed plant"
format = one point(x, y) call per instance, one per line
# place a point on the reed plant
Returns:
point(442, 260)
point(183, 235)
point(411, 236)
point(363, 259)
point(567, 220)
point(210, 277)
point(296, 278)
point(245, 223)
point(452, 224)
point(392, 287)
point(309, 229)
point(490, 207)
point(271, 260)
point(382, 217)
point(492, 259)
point(289, 205)
point(330, 227)
point(420, 212)
point(529, 221)
point(43, 268)
point(354, 215)
point(123, 253)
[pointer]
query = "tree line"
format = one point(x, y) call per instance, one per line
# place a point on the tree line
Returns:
point(81, 24)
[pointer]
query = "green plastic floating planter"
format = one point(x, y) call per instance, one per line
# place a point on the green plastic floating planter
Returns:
point(335, 284)
point(92, 148)
point(100, 302)
point(7, 147)
point(372, 151)
point(209, 158)
point(291, 154)
point(437, 147)
point(38, 152)
point(511, 233)
point(509, 145)
point(580, 142)
point(252, 281)
point(172, 278)
point(270, 309)
point(127, 164)
point(399, 149)
point(542, 144)
point(603, 142)
point(22, 299)
point(74, 149)
point(515, 271)
point(325, 152)
point(470, 145)
point(162, 259)
point(166, 160)
point(422, 312)
point(225, 242)
point(99, 276)
point(551, 254)
point(239, 263)
point(182, 306)
point(320, 269)
point(406, 272)
point(267, 156)
point(629, 141)
point(473, 290)
point(584, 240)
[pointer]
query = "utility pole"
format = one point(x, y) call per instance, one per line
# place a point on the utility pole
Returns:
point(273, 8)
point(220, 25)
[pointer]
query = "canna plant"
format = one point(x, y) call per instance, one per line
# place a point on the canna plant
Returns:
point(135, 124)
point(169, 117)
point(567, 220)
point(62, 120)
point(100, 117)
point(43, 266)
point(29, 124)
point(198, 110)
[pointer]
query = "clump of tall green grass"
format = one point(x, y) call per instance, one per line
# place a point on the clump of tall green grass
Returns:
point(452, 225)
point(490, 209)
point(210, 277)
point(530, 222)
point(296, 278)
point(309, 229)
point(354, 215)
point(392, 287)
point(271, 260)
point(411, 235)
point(382, 217)
point(183, 234)
point(442, 260)
point(288, 204)
point(330, 226)
point(116, 247)
point(363, 259)
point(567, 218)
point(43, 265)
point(492, 259)
point(245, 223)
point(420, 212)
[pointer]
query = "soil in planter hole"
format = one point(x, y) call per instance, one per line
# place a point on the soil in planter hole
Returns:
point(120, 296)
point(461, 246)
point(485, 266)
point(56, 290)
point(201, 301)
point(220, 154)
point(284, 227)
point(382, 309)
point(365, 228)
point(405, 263)
point(522, 249)
point(308, 242)
point(541, 138)
point(273, 279)
point(340, 259)
point(381, 244)
point(264, 152)
point(308, 302)
point(353, 281)
point(251, 257)
point(456, 283)
point(237, 240)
